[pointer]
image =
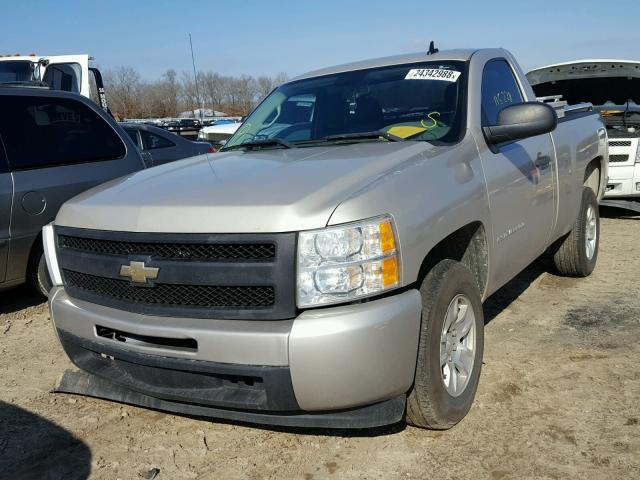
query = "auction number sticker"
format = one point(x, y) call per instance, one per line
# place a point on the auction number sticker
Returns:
point(432, 74)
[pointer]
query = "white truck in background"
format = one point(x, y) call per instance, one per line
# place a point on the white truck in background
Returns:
point(70, 73)
point(218, 134)
point(613, 87)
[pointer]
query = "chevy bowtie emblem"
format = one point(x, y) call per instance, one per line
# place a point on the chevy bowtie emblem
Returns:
point(138, 272)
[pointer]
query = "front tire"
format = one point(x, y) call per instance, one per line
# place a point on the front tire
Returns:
point(450, 348)
point(577, 253)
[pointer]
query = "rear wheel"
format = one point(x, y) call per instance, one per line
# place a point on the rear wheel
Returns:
point(450, 348)
point(577, 253)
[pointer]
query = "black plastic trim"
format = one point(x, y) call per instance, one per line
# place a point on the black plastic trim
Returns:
point(182, 380)
point(370, 416)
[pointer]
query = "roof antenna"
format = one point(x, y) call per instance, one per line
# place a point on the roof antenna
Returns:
point(432, 48)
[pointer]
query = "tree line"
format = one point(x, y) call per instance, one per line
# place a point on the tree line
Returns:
point(129, 96)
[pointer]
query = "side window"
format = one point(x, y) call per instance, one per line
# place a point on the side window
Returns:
point(45, 131)
point(499, 90)
point(134, 135)
point(63, 76)
point(152, 141)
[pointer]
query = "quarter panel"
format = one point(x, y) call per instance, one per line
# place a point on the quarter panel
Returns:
point(56, 185)
point(577, 142)
point(51, 187)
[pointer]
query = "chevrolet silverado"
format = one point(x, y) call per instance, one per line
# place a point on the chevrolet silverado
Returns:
point(328, 267)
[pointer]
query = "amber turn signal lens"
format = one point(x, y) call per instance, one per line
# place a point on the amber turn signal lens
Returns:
point(390, 272)
point(387, 242)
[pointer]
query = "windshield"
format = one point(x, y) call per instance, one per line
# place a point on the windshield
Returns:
point(16, 71)
point(418, 101)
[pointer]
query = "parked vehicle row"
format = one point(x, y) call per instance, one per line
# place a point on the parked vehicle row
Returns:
point(183, 126)
point(327, 268)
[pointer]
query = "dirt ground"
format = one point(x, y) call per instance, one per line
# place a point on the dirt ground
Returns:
point(559, 398)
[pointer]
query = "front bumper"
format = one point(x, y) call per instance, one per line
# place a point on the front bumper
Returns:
point(623, 181)
point(354, 359)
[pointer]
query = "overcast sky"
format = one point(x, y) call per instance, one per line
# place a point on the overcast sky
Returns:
point(266, 37)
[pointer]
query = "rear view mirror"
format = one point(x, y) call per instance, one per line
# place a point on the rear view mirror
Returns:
point(520, 121)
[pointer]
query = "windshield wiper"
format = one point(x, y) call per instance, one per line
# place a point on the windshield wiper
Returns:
point(267, 142)
point(364, 136)
point(353, 136)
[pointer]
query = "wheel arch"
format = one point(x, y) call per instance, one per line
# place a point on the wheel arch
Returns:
point(593, 177)
point(467, 245)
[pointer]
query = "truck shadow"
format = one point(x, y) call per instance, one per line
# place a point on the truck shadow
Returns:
point(506, 295)
point(33, 447)
point(620, 213)
point(19, 298)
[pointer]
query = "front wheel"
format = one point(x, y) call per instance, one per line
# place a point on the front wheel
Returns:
point(450, 348)
point(577, 253)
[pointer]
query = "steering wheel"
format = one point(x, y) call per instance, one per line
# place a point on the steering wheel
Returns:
point(292, 129)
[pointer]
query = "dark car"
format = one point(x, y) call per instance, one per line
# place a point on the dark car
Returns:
point(159, 146)
point(56, 145)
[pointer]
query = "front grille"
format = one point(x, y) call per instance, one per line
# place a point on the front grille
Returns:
point(618, 158)
point(620, 143)
point(174, 295)
point(177, 251)
point(217, 276)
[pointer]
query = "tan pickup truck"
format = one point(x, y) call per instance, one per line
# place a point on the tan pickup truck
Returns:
point(327, 268)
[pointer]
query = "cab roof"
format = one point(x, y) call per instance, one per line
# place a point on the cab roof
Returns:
point(448, 55)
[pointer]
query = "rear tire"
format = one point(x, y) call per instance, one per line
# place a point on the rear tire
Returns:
point(451, 303)
point(38, 274)
point(577, 253)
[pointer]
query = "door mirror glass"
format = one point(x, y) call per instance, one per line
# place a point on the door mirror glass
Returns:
point(520, 121)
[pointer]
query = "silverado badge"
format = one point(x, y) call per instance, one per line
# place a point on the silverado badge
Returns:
point(138, 272)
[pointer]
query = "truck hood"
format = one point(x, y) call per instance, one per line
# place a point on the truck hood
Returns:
point(601, 82)
point(273, 190)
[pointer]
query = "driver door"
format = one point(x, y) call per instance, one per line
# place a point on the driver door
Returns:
point(520, 180)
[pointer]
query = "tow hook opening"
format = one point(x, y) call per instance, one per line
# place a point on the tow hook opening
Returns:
point(182, 344)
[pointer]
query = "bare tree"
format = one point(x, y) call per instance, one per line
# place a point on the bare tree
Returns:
point(130, 97)
point(122, 94)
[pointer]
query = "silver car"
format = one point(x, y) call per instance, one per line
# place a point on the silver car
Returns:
point(53, 145)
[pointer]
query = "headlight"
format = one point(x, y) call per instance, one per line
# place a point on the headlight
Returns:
point(638, 153)
point(343, 263)
point(49, 245)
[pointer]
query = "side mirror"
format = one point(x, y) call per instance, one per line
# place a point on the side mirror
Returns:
point(520, 121)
